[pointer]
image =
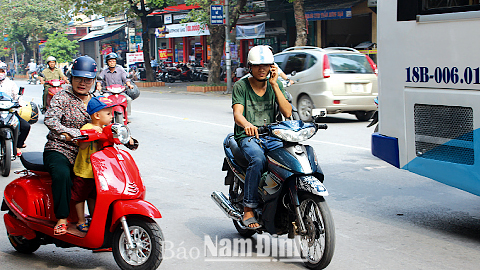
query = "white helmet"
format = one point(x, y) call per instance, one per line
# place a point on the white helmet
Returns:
point(51, 58)
point(259, 55)
point(3, 75)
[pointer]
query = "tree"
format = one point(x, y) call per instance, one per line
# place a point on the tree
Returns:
point(60, 47)
point(217, 32)
point(300, 23)
point(27, 21)
point(138, 8)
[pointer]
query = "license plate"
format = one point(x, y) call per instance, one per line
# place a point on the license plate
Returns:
point(357, 88)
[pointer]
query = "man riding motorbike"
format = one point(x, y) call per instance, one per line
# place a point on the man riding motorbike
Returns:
point(32, 67)
point(50, 73)
point(8, 87)
point(114, 74)
point(253, 103)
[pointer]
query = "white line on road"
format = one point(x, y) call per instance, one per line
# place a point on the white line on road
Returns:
point(227, 126)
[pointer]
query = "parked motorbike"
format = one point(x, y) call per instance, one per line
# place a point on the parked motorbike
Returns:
point(122, 219)
point(291, 191)
point(181, 72)
point(56, 86)
point(374, 117)
point(113, 92)
point(9, 130)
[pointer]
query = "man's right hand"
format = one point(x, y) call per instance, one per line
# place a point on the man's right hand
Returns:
point(251, 130)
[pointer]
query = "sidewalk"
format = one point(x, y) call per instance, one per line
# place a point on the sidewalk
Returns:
point(181, 88)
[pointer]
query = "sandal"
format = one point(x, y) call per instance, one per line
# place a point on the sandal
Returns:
point(250, 221)
point(83, 227)
point(60, 229)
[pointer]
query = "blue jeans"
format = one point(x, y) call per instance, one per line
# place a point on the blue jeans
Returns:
point(254, 151)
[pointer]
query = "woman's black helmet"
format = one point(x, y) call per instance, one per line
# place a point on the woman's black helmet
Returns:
point(84, 66)
point(111, 56)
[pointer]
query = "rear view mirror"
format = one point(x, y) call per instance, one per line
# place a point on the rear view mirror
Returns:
point(293, 73)
point(21, 90)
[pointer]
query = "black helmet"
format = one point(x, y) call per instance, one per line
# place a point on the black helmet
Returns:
point(111, 56)
point(84, 66)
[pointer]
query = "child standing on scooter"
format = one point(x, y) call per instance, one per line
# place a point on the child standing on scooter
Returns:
point(83, 188)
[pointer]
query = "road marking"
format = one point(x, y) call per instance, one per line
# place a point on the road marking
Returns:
point(227, 126)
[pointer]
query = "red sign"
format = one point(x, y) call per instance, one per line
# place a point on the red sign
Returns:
point(165, 54)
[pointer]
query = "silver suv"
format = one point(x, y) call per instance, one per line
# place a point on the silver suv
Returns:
point(335, 79)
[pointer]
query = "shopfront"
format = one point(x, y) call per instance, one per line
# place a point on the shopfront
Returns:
point(185, 42)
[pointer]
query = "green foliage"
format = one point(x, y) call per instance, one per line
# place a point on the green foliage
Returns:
point(27, 21)
point(60, 47)
point(114, 7)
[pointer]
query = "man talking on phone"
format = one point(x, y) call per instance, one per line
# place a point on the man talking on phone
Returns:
point(253, 103)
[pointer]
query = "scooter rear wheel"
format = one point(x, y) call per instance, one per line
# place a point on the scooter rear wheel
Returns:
point(147, 238)
point(5, 157)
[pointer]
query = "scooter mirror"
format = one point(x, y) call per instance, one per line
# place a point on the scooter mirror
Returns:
point(21, 90)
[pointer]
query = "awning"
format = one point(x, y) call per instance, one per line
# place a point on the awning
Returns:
point(104, 33)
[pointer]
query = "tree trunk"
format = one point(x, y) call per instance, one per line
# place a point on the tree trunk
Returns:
point(217, 45)
point(300, 23)
point(146, 50)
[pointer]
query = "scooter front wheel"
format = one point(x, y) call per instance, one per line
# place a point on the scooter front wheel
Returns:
point(318, 244)
point(23, 245)
point(147, 238)
point(6, 157)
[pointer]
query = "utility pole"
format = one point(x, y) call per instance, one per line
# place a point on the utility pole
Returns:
point(228, 60)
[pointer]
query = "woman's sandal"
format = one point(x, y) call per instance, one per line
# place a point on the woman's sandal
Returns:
point(60, 229)
point(250, 221)
point(83, 227)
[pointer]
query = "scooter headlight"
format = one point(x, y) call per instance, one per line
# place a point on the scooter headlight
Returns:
point(294, 136)
point(56, 83)
point(121, 134)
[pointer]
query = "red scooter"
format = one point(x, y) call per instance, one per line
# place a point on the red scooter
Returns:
point(113, 92)
point(122, 219)
point(56, 87)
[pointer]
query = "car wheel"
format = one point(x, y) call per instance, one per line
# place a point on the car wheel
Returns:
point(305, 106)
point(363, 115)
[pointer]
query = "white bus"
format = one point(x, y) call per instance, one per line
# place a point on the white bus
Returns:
point(429, 89)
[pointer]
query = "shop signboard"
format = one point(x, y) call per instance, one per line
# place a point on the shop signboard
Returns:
point(332, 14)
point(216, 14)
point(165, 54)
point(191, 29)
point(251, 31)
point(167, 18)
point(132, 58)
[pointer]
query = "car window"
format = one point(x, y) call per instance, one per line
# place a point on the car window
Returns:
point(349, 63)
point(296, 62)
point(311, 61)
point(280, 59)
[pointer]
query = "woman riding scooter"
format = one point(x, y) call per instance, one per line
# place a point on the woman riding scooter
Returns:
point(65, 116)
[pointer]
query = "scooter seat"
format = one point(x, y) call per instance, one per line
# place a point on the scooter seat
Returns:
point(33, 161)
point(237, 153)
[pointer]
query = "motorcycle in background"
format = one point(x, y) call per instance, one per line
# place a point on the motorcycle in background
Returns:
point(56, 86)
point(181, 72)
point(113, 92)
point(122, 219)
point(291, 191)
point(9, 130)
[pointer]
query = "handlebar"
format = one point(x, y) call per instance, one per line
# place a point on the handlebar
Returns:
point(78, 138)
point(264, 130)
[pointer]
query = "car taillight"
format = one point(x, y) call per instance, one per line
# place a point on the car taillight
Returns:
point(326, 67)
point(372, 64)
